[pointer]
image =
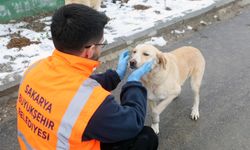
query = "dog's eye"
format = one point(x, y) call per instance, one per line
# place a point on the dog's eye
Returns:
point(145, 54)
point(134, 52)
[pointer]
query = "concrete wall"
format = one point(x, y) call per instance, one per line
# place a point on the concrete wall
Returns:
point(16, 9)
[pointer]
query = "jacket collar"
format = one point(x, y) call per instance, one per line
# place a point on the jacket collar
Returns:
point(82, 64)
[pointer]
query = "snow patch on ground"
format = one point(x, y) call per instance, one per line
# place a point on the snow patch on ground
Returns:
point(160, 41)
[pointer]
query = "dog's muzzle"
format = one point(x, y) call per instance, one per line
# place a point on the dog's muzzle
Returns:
point(132, 64)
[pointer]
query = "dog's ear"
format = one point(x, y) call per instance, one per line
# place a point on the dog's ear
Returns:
point(162, 60)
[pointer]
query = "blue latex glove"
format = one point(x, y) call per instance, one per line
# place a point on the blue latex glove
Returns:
point(122, 64)
point(138, 73)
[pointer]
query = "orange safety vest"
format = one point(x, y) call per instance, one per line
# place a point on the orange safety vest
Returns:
point(56, 101)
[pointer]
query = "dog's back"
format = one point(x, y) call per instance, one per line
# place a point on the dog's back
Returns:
point(190, 61)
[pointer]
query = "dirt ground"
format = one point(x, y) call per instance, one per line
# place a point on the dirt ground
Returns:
point(7, 111)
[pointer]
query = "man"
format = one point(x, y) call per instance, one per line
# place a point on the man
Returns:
point(61, 105)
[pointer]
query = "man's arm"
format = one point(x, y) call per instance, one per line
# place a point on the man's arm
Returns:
point(113, 122)
point(108, 80)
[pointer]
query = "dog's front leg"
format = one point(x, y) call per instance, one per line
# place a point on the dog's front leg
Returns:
point(163, 104)
point(157, 110)
point(155, 117)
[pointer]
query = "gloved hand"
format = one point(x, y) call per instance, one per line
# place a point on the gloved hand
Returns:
point(138, 73)
point(122, 64)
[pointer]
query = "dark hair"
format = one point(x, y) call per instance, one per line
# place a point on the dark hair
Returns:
point(74, 26)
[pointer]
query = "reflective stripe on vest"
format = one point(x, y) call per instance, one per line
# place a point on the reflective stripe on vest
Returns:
point(28, 147)
point(73, 112)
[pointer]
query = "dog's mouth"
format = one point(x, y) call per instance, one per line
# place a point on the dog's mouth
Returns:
point(132, 64)
point(133, 67)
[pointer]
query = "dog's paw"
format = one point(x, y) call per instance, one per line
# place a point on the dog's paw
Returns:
point(155, 127)
point(195, 114)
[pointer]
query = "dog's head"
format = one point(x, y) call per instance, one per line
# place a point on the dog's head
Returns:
point(144, 53)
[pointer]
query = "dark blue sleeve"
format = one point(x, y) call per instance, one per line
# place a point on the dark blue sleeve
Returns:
point(113, 122)
point(108, 80)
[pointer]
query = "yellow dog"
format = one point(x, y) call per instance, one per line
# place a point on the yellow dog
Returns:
point(169, 73)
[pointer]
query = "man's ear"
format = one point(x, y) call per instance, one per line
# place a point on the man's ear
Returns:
point(161, 59)
point(88, 52)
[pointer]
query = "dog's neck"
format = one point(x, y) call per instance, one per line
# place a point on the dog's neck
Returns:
point(160, 75)
point(154, 76)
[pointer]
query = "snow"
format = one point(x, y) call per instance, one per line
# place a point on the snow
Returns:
point(125, 21)
point(160, 41)
point(189, 27)
point(178, 31)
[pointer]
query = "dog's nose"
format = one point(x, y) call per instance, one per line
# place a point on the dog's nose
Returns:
point(132, 63)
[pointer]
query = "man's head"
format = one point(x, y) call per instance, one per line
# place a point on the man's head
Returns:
point(77, 29)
